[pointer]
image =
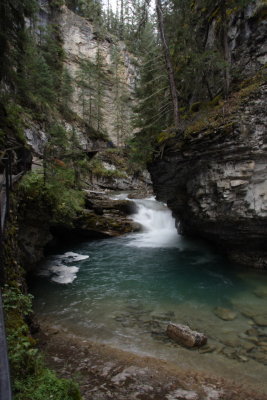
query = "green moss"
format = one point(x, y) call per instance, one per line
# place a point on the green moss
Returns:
point(98, 169)
point(222, 114)
point(165, 135)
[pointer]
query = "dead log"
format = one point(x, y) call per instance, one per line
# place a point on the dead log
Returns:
point(183, 335)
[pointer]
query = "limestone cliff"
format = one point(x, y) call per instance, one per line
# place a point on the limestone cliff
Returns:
point(82, 43)
point(103, 76)
point(97, 117)
point(213, 174)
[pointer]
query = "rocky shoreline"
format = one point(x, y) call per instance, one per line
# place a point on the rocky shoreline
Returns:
point(105, 373)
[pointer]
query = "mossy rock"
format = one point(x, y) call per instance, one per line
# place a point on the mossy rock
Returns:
point(91, 225)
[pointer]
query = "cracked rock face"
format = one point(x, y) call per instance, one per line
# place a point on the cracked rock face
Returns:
point(216, 184)
point(83, 44)
point(215, 180)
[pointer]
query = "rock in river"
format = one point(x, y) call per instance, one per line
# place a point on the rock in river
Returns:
point(183, 335)
point(260, 319)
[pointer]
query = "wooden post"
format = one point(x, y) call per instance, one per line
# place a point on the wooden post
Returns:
point(5, 387)
point(10, 170)
point(6, 186)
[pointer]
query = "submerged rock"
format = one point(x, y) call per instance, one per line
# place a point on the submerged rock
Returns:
point(207, 349)
point(225, 313)
point(185, 336)
point(231, 341)
point(260, 319)
point(248, 346)
point(261, 292)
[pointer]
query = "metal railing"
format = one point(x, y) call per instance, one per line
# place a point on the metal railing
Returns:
point(5, 188)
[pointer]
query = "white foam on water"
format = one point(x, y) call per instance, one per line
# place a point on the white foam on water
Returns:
point(70, 256)
point(56, 269)
point(63, 274)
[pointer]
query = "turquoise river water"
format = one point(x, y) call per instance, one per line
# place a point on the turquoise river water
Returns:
point(124, 291)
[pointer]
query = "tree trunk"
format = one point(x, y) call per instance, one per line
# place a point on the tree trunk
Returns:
point(122, 20)
point(168, 64)
point(227, 56)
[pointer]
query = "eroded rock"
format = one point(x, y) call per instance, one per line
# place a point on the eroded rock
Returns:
point(214, 180)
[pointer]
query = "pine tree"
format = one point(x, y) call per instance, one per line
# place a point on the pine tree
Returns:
point(169, 65)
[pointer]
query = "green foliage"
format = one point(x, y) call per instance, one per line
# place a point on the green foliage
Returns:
point(56, 3)
point(14, 299)
point(37, 85)
point(123, 127)
point(31, 60)
point(65, 92)
point(35, 80)
point(141, 148)
point(154, 105)
point(98, 169)
point(31, 379)
point(57, 195)
point(35, 193)
point(22, 353)
point(219, 115)
point(47, 386)
point(91, 80)
point(12, 23)
point(91, 9)
point(165, 135)
point(42, 80)
point(14, 120)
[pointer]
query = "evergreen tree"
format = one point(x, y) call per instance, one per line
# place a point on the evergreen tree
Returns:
point(13, 14)
point(91, 9)
point(153, 110)
point(169, 64)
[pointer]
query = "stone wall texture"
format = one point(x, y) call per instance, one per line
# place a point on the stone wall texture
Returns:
point(215, 180)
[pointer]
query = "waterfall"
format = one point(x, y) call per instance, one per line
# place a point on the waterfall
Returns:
point(158, 225)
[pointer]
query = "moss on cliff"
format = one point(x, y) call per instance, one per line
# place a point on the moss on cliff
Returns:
point(224, 115)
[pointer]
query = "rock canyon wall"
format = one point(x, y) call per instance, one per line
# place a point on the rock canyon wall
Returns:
point(213, 174)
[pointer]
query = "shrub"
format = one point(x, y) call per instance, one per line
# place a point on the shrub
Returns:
point(32, 380)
